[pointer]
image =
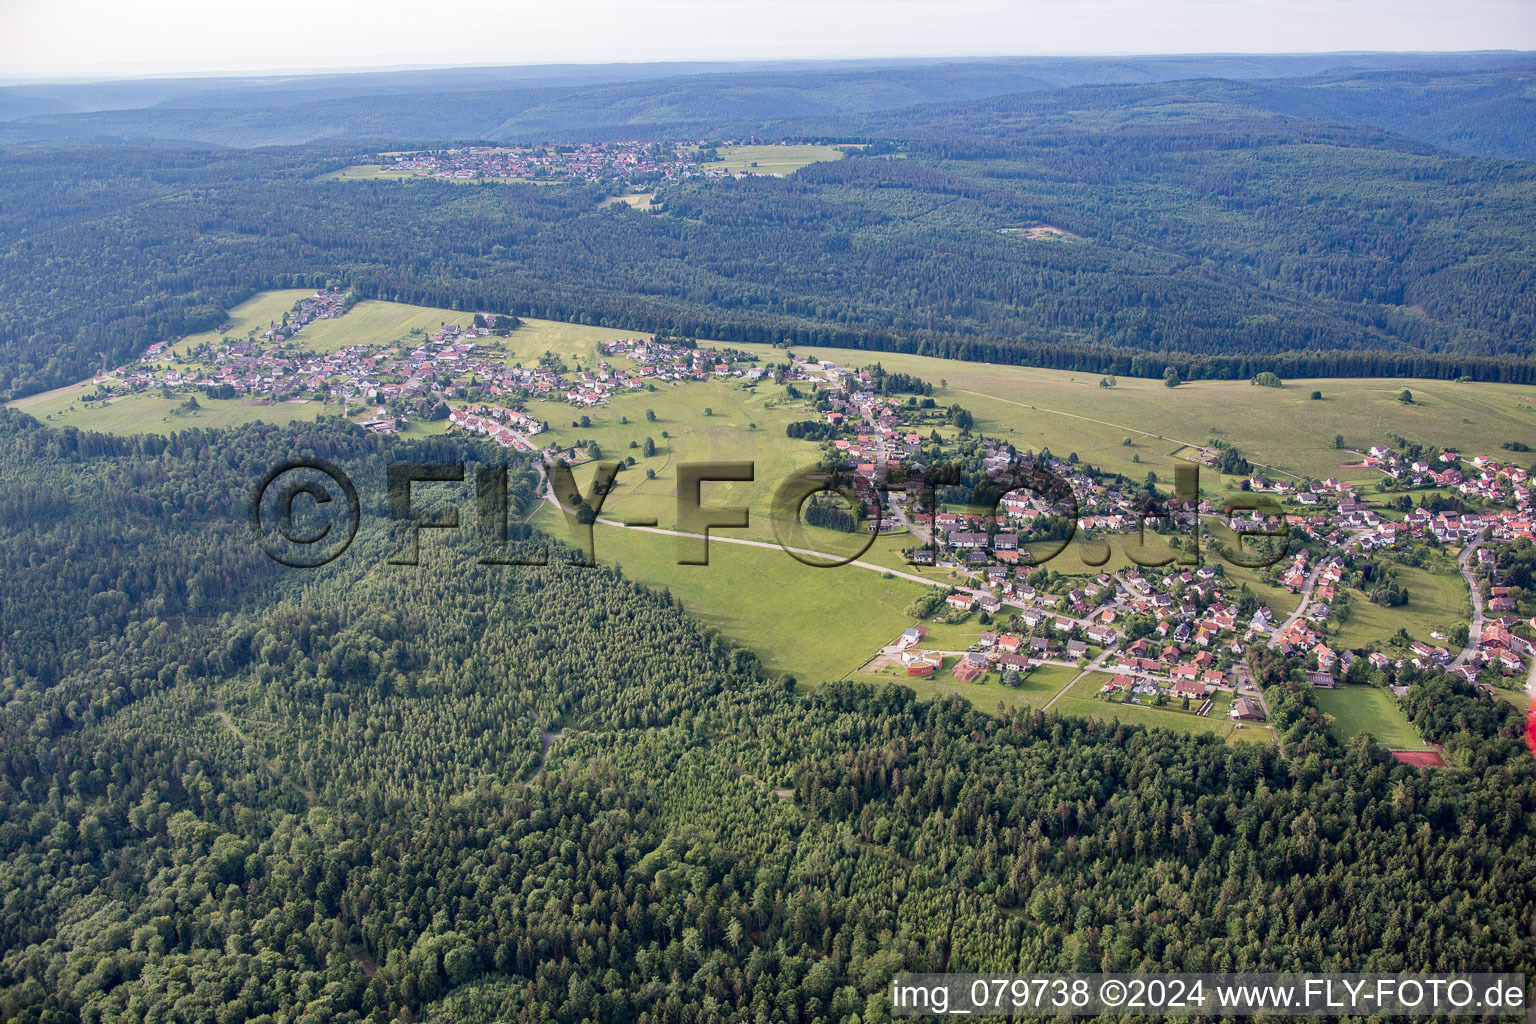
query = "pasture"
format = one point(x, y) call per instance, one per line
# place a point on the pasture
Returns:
point(382, 172)
point(249, 318)
point(823, 624)
point(743, 425)
point(1039, 686)
point(1278, 428)
point(371, 322)
point(1437, 602)
point(637, 200)
point(149, 413)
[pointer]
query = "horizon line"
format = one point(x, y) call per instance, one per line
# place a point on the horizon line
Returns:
point(331, 71)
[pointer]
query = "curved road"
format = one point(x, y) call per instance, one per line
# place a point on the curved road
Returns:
point(1308, 587)
point(1475, 636)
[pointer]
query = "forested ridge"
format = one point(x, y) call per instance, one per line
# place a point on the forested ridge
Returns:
point(1202, 231)
point(1468, 102)
point(279, 794)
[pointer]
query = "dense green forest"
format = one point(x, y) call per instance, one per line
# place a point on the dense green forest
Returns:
point(1200, 233)
point(235, 792)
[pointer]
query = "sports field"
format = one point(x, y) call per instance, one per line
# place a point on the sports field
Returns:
point(1358, 709)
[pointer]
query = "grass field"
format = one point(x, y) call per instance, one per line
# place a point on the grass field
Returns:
point(1357, 709)
point(773, 159)
point(1063, 411)
point(953, 636)
point(728, 434)
point(1282, 428)
point(817, 624)
point(148, 413)
point(1437, 602)
point(368, 172)
point(1040, 685)
point(639, 200)
point(785, 611)
point(377, 323)
point(1519, 698)
point(250, 317)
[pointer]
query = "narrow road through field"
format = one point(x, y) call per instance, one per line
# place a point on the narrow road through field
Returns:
point(549, 495)
point(1093, 666)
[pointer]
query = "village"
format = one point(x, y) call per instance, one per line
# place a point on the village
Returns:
point(633, 162)
point(1168, 634)
point(458, 373)
point(1175, 635)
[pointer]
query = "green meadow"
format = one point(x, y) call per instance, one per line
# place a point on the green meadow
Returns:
point(1081, 700)
point(1281, 428)
point(1063, 411)
point(382, 172)
point(251, 317)
point(1357, 709)
point(773, 159)
point(816, 624)
point(1437, 602)
point(1039, 686)
point(377, 323)
point(149, 413)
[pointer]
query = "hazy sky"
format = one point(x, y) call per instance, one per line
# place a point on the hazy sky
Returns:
point(50, 38)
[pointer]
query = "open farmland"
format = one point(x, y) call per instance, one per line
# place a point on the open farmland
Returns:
point(1279, 428)
point(377, 323)
point(1437, 602)
point(149, 413)
point(816, 624)
point(773, 159)
point(250, 317)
